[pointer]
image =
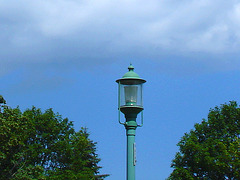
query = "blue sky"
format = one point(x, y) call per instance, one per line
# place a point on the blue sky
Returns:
point(66, 55)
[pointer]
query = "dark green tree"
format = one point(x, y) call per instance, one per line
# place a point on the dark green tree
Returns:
point(2, 100)
point(43, 145)
point(211, 150)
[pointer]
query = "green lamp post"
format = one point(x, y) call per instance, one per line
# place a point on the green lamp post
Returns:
point(130, 89)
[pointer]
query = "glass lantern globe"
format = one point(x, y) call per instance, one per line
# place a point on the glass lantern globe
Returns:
point(130, 91)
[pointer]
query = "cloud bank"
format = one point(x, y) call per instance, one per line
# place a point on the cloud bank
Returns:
point(83, 32)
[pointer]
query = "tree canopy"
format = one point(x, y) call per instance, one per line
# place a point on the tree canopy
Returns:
point(43, 145)
point(212, 149)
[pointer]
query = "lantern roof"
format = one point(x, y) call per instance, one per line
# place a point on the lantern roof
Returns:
point(131, 75)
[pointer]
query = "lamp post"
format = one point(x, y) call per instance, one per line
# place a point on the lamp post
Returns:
point(130, 104)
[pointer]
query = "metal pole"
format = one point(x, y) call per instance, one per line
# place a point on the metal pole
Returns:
point(131, 126)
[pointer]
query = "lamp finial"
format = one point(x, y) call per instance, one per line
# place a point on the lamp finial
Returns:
point(130, 68)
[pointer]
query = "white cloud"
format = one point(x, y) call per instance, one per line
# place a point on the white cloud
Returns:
point(76, 30)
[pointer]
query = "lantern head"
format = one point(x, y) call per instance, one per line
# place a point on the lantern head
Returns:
point(130, 88)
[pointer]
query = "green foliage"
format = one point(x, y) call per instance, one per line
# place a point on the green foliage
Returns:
point(42, 145)
point(2, 100)
point(212, 150)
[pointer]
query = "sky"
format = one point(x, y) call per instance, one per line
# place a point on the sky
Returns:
point(67, 55)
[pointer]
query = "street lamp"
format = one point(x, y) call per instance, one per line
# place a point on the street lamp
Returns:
point(130, 88)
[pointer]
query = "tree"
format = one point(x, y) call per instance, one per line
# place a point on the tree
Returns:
point(43, 145)
point(2, 100)
point(212, 150)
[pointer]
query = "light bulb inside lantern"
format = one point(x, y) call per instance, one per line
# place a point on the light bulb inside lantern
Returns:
point(130, 95)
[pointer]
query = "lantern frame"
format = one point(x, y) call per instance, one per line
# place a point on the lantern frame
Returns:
point(133, 82)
